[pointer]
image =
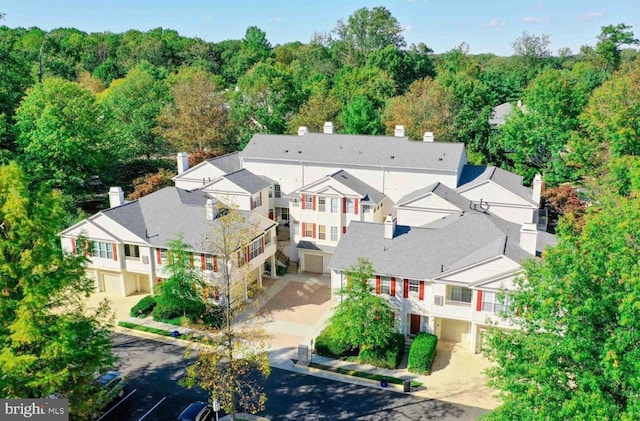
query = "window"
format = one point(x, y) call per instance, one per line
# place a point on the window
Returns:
point(164, 256)
point(308, 230)
point(102, 250)
point(267, 238)
point(321, 204)
point(385, 285)
point(491, 302)
point(334, 233)
point(366, 208)
point(321, 232)
point(255, 249)
point(209, 262)
point(296, 228)
point(256, 202)
point(334, 205)
point(284, 214)
point(308, 202)
point(350, 205)
point(131, 252)
point(414, 287)
point(276, 188)
point(458, 294)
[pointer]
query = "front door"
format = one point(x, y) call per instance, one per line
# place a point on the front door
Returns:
point(415, 324)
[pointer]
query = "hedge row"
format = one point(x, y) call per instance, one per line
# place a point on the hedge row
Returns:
point(329, 344)
point(422, 353)
point(144, 307)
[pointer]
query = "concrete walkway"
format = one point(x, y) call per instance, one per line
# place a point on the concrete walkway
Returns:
point(293, 309)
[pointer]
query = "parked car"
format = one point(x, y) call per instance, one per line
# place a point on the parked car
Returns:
point(111, 385)
point(197, 411)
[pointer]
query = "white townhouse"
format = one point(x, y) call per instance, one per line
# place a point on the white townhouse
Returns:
point(461, 231)
point(127, 244)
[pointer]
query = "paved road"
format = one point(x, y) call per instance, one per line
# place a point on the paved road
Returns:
point(154, 368)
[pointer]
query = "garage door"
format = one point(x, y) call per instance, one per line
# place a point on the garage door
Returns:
point(313, 263)
point(112, 284)
point(454, 330)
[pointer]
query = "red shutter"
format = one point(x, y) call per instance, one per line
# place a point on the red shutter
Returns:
point(479, 303)
point(378, 286)
point(304, 198)
point(247, 256)
point(262, 251)
point(73, 246)
point(304, 229)
point(421, 292)
point(355, 206)
point(202, 261)
point(215, 263)
point(344, 229)
point(313, 227)
point(344, 205)
point(260, 198)
point(159, 256)
point(405, 288)
point(393, 287)
point(313, 199)
point(115, 251)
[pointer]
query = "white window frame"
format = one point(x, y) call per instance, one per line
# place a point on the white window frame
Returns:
point(276, 190)
point(492, 303)
point(255, 249)
point(350, 205)
point(256, 201)
point(457, 294)
point(322, 232)
point(334, 205)
point(296, 228)
point(334, 233)
point(308, 229)
point(414, 287)
point(308, 202)
point(385, 285)
point(102, 250)
point(208, 262)
point(284, 214)
point(322, 203)
point(131, 252)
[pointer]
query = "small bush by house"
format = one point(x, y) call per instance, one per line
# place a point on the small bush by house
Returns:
point(422, 353)
point(388, 357)
point(144, 307)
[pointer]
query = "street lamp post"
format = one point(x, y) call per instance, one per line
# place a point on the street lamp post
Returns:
point(216, 407)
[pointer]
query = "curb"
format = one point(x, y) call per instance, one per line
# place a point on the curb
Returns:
point(317, 372)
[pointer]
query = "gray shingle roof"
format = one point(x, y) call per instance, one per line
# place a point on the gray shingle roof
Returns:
point(356, 150)
point(247, 181)
point(474, 174)
point(498, 117)
point(365, 191)
point(439, 190)
point(161, 216)
point(426, 252)
point(227, 163)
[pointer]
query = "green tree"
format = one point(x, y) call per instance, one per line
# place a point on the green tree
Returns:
point(59, 134)
point(366, 31)
point(226, 368)
point(574, 354)
point(361, 117)
point(611, 38)
point(130, 108)
point(363, 319)
point(179, 294)
point(49, 341)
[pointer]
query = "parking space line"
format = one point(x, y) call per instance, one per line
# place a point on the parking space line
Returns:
point(154, 407)
point(116, 405)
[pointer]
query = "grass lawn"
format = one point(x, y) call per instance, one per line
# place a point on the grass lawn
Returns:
point(354, 373)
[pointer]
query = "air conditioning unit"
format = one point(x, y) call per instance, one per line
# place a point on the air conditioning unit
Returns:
point(438, 300)
point(145, 260)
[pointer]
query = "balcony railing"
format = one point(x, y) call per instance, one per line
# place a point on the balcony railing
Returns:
point(457, 303)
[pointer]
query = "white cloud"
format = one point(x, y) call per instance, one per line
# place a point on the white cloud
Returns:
point(494, 23)
point(408, 28)
point(591, 15)
point(531, 19)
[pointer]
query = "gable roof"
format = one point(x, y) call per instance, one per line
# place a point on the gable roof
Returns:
point(365, 191)
point(227, 163)
point(440, 190)
point(427, 252)
point(500, 112)
point(473, 175)
point(246, 180)
point(163, 215)
point(340, 149)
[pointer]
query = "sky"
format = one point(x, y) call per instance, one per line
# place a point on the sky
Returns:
point(486, 26)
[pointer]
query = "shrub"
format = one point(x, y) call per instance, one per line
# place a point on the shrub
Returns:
point(193, 310)
point(388, 357)
point(329, 344)
point(422, 352)
point(143, 307)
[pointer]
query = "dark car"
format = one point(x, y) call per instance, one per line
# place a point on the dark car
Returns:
point(197, 411)
point(111, 385)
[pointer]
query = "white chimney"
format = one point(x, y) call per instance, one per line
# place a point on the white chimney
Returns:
point(183, 162)
point(210, 209)
point(398, 131)
point(537, 188)
point(116, 197)
point(428, 137)
point(529, 238)
point(328, 127)
point(302, 130)
point(389, 227)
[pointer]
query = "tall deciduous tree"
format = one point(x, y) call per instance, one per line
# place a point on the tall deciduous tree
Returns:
point(574, 354)
point(130, 107)
point(226, 368)
point(59, 134)
point(48, 341)
point(363, 319)
point(611, 38)
point(361, 117)
point(197, 118)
